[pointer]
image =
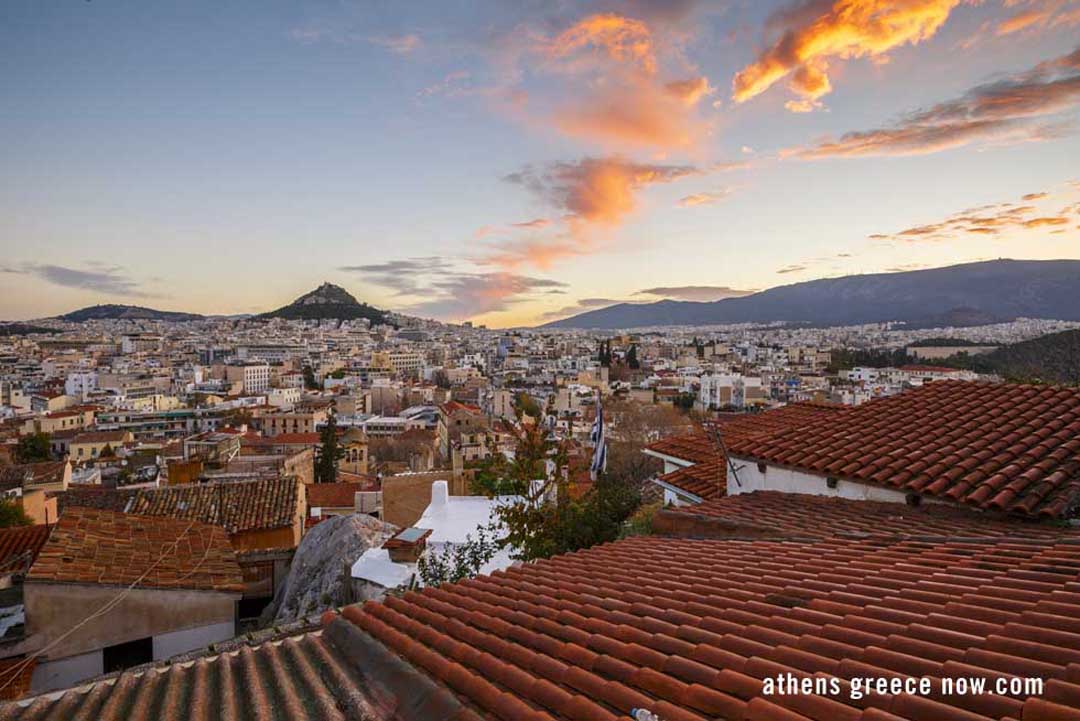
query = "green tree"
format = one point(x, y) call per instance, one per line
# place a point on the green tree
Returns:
point(33, 448)
point(12, 514)
point(309, 379)
point(546, 520)
point(632, 359)
point(459, 561)
point(329, 452)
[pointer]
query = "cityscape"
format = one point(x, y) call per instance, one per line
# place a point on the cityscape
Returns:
point(651, 360)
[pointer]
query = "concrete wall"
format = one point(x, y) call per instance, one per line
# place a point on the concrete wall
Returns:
point(169, 644)
point(64, 672)
point(53, 608)
point(790, 480)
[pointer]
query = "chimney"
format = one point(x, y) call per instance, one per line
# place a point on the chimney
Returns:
point(440, 493)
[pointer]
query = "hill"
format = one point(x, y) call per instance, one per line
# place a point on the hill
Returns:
point(10, 329)
point(326, 302)
point(967, 294)
point(1053, 358)
point(114, 311)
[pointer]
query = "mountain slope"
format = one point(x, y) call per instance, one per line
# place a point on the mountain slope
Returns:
point(114, 311)
point(328, 301)
point(976, 292)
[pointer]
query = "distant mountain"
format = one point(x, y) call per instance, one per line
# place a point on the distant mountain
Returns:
point(328, 301)
point(967, 294)
point(124, 312)
point(1053, 358)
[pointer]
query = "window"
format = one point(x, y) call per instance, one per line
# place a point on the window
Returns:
point(126, 655)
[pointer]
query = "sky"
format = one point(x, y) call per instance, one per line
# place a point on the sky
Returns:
point(513, 163)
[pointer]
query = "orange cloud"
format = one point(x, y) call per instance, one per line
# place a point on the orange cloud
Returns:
point(843, 30)
point(690, 201)
point(986, 220)
point(611, 88)
point(691, 91)
point(1003, 111)
point(615, 37)
point(1040, 15)
point(592, 194)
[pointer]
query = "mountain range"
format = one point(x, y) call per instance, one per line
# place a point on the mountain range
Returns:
point(966, 294)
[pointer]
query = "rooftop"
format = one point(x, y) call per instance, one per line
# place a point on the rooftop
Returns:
point(103, 547)
point(238, 505)
point(1000, 446)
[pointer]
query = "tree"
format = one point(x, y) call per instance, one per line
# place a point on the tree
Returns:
point(545, 519)
point(107, 452)
point(309, 379)
point(33, 448)
point(441, 378)
point(632, 359)
point(12, 514)
point(525, 404)
point(459, 561)
point(329, 452)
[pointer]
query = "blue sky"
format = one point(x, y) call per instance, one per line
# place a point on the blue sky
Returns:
point(511, 162)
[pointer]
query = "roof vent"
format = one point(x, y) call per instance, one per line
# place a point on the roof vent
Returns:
point(440, 493)
point(831, 482)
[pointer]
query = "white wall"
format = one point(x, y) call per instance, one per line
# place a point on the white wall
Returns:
point(65, 672)
point(789, 480)
point(167, 645)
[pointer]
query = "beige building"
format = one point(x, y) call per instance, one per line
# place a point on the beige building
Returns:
point(183, 596)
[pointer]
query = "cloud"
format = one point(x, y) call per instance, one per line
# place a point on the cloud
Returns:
point(465, 295)
point(104, 279)
point(617, 79)
point(696, 292)
point(791, 269)
point(1039, 15)
point(592, 195)
point(400, 44)
point(445, 291)
point(688, 201)
point(815, 32)
point(1009, 110)
point(597, 190)
point(579, 307)
point(534, 224)
point(986, 220)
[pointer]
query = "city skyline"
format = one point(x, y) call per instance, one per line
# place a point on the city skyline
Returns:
point(516, 165)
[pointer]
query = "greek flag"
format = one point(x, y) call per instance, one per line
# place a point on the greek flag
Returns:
point(599, 459)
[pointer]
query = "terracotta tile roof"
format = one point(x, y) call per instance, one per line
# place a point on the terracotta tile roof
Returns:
point(690, 629)
point(706, 480)
point(103, 547)
point(799, 515)
point(100, 437)
point(25, 474)
point(997, 446)
point(337, 674)
point(237, 506)
point(707, 477)
point(19, 546)
point(333, 495)
point(106, 499)
point(285, 439)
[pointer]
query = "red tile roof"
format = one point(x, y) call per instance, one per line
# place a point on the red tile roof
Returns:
point(103, 547)
point(106, 499)
point(337, 674)
point(333, 495)
point(30, 474)
point(799, 515)
point(994, 446)
point(707, 477)
point(19, 546)
point(691, 629)
point(238, 506)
